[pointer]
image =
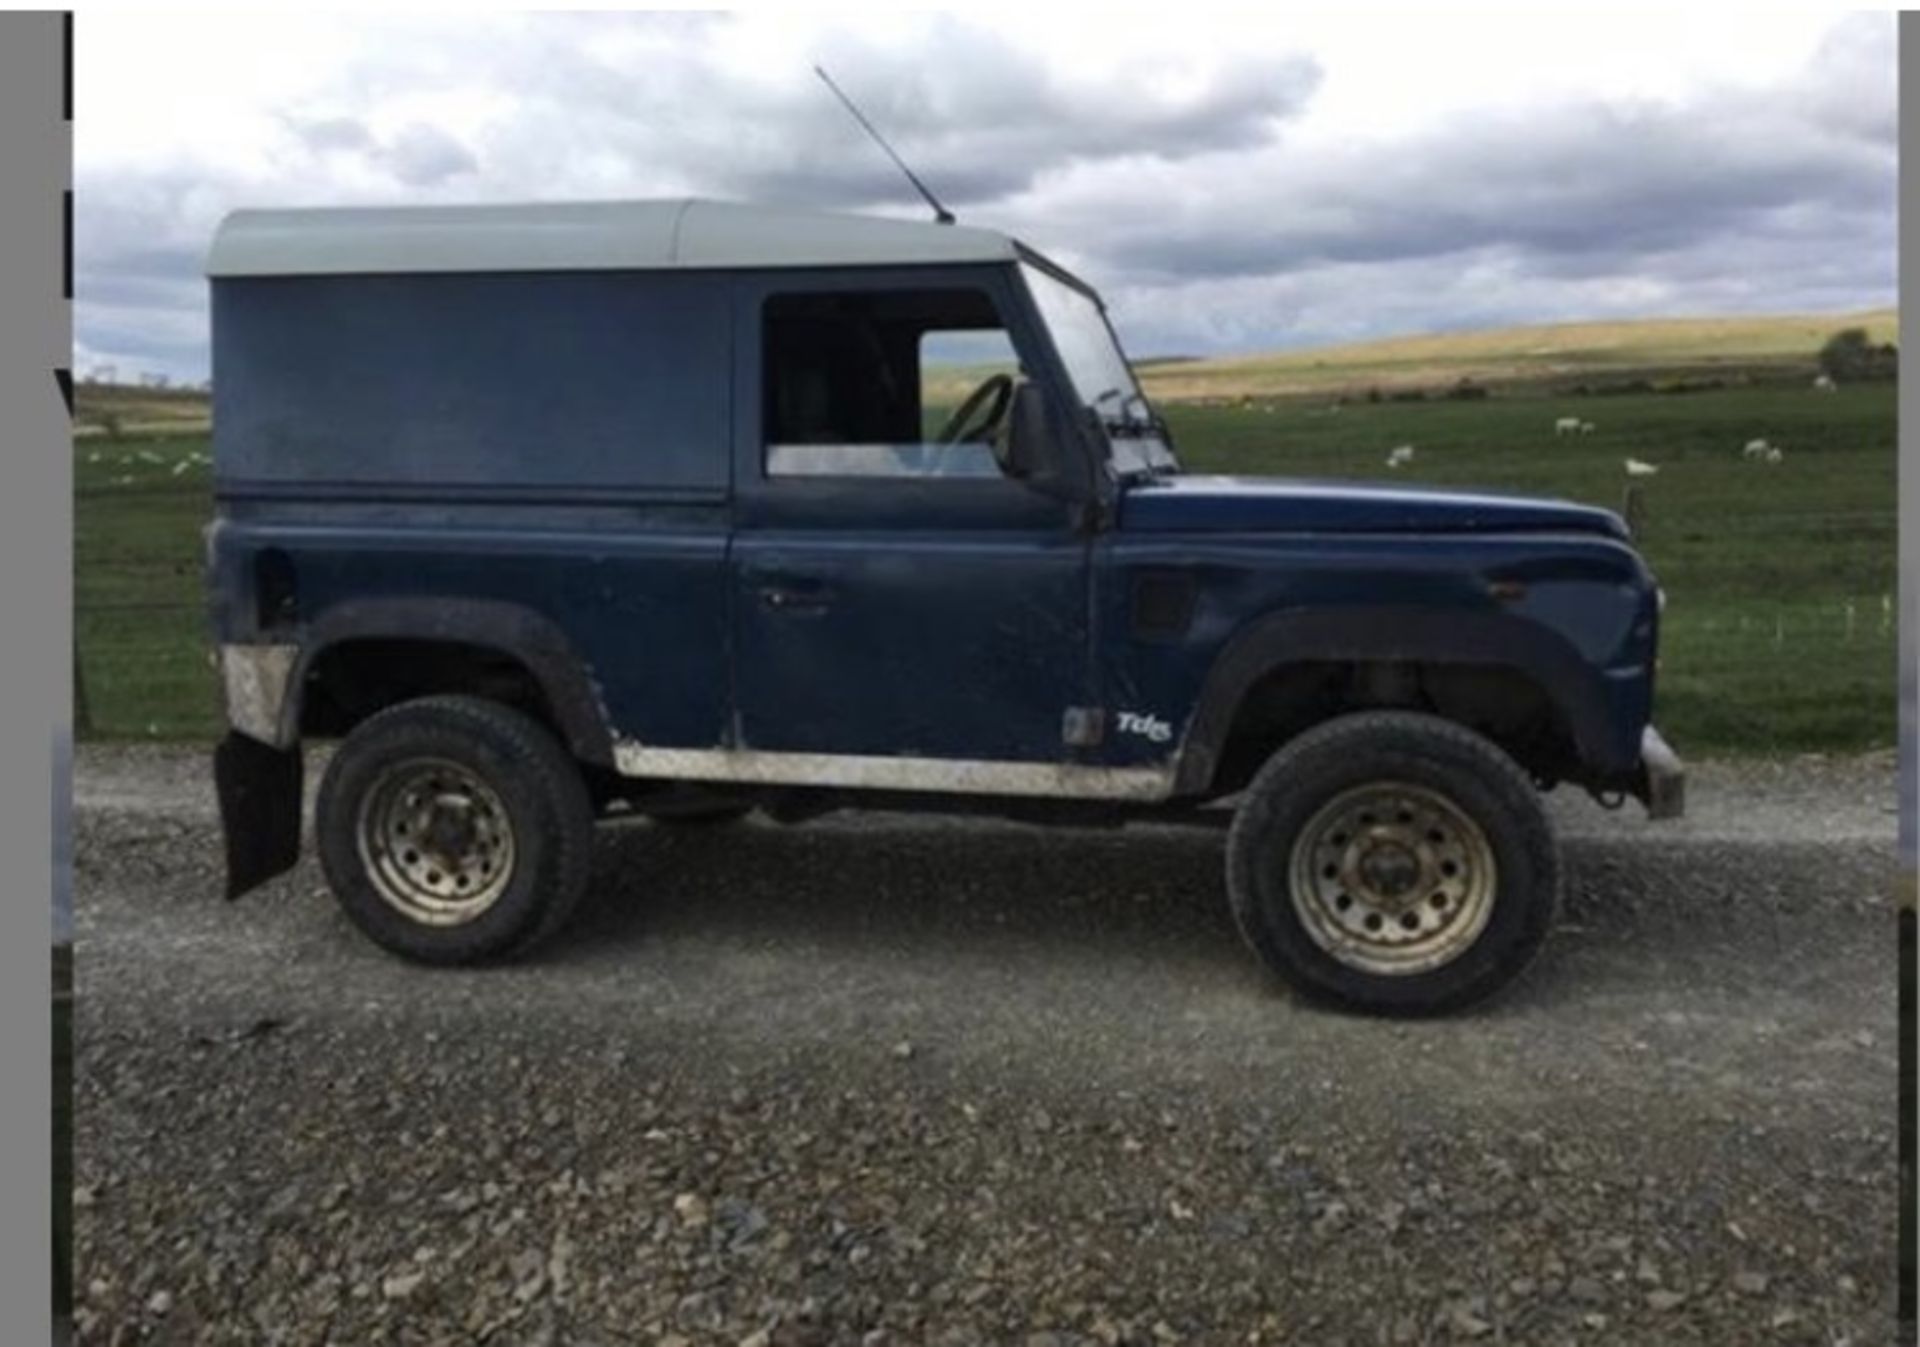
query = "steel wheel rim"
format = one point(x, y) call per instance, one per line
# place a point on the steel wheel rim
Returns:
point(1392, 879)
point(436, 841)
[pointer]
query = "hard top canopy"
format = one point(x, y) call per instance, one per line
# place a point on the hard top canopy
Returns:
point(583, 236)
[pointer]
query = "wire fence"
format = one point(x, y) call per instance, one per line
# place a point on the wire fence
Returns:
point(143, 669)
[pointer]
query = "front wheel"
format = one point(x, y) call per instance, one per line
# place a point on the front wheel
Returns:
point(1393, 862)
point(454, 830)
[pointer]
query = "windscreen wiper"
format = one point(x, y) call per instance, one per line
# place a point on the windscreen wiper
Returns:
point(1127, 402)
point(1153, 422)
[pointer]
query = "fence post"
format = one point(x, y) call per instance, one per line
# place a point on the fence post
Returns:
point(1633, 508)
point(82, 718)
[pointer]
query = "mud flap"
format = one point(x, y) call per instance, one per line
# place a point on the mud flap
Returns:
point(259, 788)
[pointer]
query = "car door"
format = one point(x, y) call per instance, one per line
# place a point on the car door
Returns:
point(903, 613)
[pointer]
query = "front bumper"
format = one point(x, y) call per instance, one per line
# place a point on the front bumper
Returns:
point(1663, 778)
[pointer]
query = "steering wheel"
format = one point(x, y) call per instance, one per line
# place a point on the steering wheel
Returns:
point(967, 423)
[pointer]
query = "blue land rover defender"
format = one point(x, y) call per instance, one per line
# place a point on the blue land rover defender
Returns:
point(688, 509)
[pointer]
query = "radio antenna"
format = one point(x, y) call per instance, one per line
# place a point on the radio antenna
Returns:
point(940, 213)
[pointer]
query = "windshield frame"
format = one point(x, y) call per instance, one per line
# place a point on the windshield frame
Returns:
point(1137, 439)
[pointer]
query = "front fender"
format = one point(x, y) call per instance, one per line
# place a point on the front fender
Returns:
point(1578, 690)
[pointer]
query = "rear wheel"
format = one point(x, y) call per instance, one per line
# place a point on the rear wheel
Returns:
point(1393, 862)
point(454, 829)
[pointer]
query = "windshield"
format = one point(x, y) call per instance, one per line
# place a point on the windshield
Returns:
point(1100, 375)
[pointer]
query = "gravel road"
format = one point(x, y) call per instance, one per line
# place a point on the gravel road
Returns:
point(893, 1080)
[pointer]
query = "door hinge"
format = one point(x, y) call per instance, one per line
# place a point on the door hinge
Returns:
point(1083, 726)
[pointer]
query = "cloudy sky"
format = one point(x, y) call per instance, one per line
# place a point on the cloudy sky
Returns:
point(1229, 184)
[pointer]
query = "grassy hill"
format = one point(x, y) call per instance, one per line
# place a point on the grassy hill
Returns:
point(126, 409)
point(1777, 346)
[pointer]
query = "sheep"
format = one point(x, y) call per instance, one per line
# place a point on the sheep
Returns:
point(1773, 453)
point(1400, 455)
point(1587, 427)
point(1567, 425)
point(1824, 383)
point(1635, 468)
point(1756, 448)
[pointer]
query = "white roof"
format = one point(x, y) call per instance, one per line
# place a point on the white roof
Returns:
point(581, 236)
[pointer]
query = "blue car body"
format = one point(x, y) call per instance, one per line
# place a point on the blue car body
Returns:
point(557, 477)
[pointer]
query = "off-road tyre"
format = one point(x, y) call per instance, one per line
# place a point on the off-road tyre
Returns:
point(523, 775)
point(1342, 764)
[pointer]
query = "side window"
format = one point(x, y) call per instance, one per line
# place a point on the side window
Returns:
point(896, 383)
point(954, 365)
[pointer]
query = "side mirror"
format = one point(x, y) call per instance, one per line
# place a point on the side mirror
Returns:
point(1029, 454)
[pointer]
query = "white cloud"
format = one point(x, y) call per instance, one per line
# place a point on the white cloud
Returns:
point(1229, 182)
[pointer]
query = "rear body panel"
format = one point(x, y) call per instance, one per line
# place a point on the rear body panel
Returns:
point(551, 442)
point(640, 594)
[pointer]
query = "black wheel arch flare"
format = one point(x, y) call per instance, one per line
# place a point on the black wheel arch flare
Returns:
point(1385, 633)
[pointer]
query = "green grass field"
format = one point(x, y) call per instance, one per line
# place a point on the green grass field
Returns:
point(1776, 638)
